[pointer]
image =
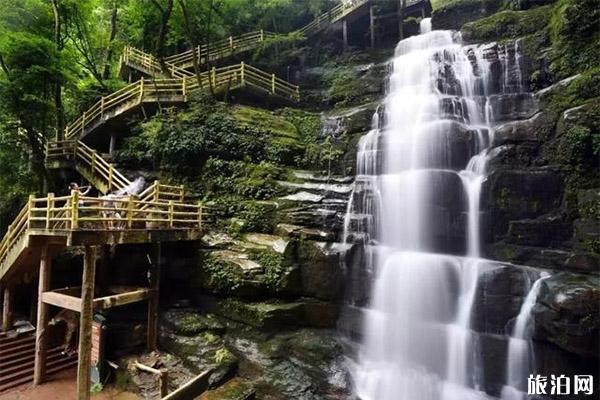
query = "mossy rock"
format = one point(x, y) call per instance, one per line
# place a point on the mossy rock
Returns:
point(190, 323)
point(454, 14)
point(507, 24)
point(235, 389)
point(274, 315)
point(566, 313)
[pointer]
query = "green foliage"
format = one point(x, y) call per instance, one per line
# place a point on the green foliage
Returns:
point(219, 275)
point(507, 24)
point(576, 147)
point(575, 35)
point(272, 262)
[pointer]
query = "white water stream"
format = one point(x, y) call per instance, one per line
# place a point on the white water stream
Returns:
point(428, 146)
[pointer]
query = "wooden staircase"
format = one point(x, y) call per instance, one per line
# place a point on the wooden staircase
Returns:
point(17, 356)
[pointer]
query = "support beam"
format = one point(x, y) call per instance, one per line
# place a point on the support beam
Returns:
point(154, 281)
point(372, 25)
point(41, 331)
point(401, 5)
point(85, 324)
point(345, 33)
point(7, 308)
point(121, 299)
point(62, 300)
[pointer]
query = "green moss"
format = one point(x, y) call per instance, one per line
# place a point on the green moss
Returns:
point(265, 119)
point(218, 275)
point(575, 36)
point(455, 13)
point(273, 263)
point(507, 24)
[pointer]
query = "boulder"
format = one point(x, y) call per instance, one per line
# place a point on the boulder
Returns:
point(320, 265)
point(518, 132)
point(499, 297)
point(275, 315)
point(566, 313)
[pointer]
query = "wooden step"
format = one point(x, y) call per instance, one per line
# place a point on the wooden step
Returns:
point(28, 369)
point(26, 379)
point(9, 342)
point(29, 360)
point(17, 347)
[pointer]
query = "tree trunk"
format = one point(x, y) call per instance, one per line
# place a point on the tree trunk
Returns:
point(207, 31)
point(159, 49)
point(111, 39)
point(60, 124)
point(190, 39)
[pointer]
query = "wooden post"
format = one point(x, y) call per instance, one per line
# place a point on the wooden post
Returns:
point(171, 209)
point(242, 75)
point(200, 215)
point(273, 83)
point(214, 76)
point(141, 90)
point(372, 25)
point(262, 35)
point(154, 282)
point(156, 196)
point(401, 5)
point(93, 162)
point(345, 33)
point(41, 337)
point(231, 42)
point(85, 324)
point(183, 88)
point(7, 308)
point(74, 209)
point(30, 207)
point(130, 212)
point(49, 207)
point(110, 176)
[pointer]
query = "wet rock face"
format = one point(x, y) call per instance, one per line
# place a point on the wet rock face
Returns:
point(513, 195)
point(566, 313)
point(302, 365)
point(499, 297)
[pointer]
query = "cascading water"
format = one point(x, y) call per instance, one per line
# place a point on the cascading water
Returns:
point(518, 364)
point(419, 174)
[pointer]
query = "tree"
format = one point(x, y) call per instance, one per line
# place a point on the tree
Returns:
point(165, 14)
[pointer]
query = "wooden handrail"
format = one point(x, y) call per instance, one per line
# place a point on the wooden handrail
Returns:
point(76, 212)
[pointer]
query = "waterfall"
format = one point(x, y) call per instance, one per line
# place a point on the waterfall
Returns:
point(518, 364)
point(419, 174)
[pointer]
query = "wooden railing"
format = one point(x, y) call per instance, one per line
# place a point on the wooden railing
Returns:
point(129, 96)
point(76, 212)
point(335, 14)
point(163, 193)
point(221, 49)
point(89, 159)
point(220, 79)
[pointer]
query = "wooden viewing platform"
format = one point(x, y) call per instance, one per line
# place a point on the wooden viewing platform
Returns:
point(78, 221)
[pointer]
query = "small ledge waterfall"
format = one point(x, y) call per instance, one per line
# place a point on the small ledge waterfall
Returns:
point(416, 208)
point(518, 364)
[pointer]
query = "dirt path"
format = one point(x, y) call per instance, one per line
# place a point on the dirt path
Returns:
point(63, 386)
